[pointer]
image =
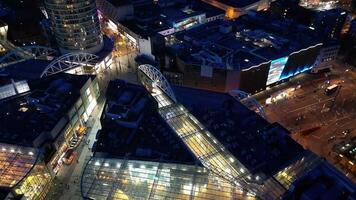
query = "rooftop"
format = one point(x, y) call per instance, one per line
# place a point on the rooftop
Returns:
point(323, 182)
point(257, 144)
point(248, 41)
point(238, 3)
point(130, 121)
point(26, 117)
point(156, 180)
point(119, 3)
point(175, 14)
point(29, 69)
point(151, 19)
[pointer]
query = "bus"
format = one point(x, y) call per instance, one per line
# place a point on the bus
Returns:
point(331, 89)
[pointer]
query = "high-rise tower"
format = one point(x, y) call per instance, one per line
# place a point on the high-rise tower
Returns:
point(75, 24)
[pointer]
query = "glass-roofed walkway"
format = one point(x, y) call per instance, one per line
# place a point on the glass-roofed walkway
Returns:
point(197, 138)
point(222, 177)
point(212, 154)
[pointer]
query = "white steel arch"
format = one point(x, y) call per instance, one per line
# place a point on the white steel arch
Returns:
point(157, 77)
point(25, 53)
point(248, 100)
point(69, 61)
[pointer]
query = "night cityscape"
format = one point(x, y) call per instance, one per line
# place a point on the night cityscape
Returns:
point(178, 99)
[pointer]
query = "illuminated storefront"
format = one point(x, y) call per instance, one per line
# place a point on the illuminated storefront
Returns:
point(76, 129)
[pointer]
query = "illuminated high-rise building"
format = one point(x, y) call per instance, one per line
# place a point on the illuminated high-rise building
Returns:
point(75, 24)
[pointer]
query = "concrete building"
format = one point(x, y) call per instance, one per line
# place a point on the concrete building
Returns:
point(233, 9)
point(259, 48)
point(330, 23)
point(149, 26)
point(328, 54)
point(116, 10)
point(76, 25)
point(75, 63)
point(38, 128)
point(167, 151)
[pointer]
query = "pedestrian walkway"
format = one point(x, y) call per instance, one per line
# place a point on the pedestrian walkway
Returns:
point(67, 183)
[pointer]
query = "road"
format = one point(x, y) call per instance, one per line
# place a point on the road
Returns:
point(307, 107)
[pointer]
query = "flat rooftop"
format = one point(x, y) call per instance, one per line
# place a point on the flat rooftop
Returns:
point(245, 42)
point(25, 117)
point(175, 14)
point(29, 69)
point(118, 3)
point(238, 3)
point(257, 144)
point(150, 19)
point(139, 133)
point(323, 182)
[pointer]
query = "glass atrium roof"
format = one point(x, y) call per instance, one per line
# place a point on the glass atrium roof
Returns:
point(130, 179)
point(15, 163)
point(205, 147)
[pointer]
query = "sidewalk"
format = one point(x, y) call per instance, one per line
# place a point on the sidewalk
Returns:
point(67, 182)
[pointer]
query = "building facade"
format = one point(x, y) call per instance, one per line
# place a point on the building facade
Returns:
point(225, 55)
point(45, 125)
point(76, 25)
point(328, 54)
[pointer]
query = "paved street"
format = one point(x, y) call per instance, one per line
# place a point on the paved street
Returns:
point(67, 182)
point(309, 108)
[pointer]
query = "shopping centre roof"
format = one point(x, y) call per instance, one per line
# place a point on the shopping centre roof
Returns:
point(238, 3)
point(25, 117)
point(257, 144)
point(132, 128)
point(248, 41)
point(131, 179)
point(224, 175)
point(323, 182)
point(151, 19)
point(29, 69)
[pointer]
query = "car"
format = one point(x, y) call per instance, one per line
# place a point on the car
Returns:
point(346, 132)
point(331, 138)
point(69, 156)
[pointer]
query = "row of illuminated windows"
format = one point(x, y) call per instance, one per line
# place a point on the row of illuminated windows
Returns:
point(77, 23)
point(80, 46)
point(65, 8)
